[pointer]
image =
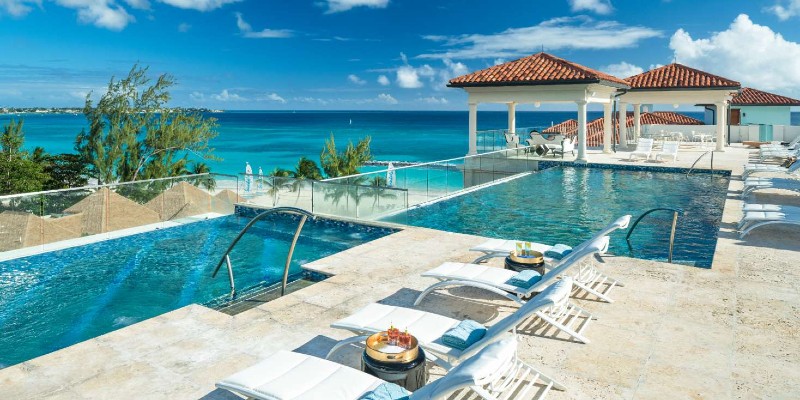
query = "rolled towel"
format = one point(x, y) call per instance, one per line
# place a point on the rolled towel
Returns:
point(463, 335)
point(525, 279)
point(386, 391)
point(558, 251)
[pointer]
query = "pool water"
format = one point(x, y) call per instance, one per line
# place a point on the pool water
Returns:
point(53, 300)
point(568, 204)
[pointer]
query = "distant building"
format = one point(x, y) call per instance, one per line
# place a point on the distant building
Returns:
point(756, 107)
point(594, 129)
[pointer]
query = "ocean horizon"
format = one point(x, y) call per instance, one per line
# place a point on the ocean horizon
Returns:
point(277, 139)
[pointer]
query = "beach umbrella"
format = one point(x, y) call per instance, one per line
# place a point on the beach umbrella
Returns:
point(390, 175)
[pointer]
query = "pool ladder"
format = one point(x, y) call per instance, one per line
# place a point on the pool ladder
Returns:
point(675, 213)
point(698, 160)
point(304, 215)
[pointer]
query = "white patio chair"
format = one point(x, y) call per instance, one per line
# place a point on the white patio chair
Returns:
point(670, 149)
point(493, 248)
point(495, 280)
point(512, 141)
point(755, 184)
point(429, 328)
point(750, 169)
point(643, 149)
point(567, 146)
point(757, 219)
point(494, 373)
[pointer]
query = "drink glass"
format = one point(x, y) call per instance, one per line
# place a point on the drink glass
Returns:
point(393, 336)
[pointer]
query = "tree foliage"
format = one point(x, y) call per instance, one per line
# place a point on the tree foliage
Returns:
point(133, 135)
point(336, 164)
point(19, 173)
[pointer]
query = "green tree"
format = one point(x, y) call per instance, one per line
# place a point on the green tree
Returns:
point(336, 164)
point(307, 169)
point(18, 172)
point(133, 134)
point(63, 170)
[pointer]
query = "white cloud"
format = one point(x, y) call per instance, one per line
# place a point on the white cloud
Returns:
point(199, 5)
point(184, 27)
point(753, 54)
point(18, 8)
point(498, 61)
point(355, 79)
point(311, 100)
point(275, 97)
point(577, 33)
point(622, 70)
point(225, 95)
point(101, 13)
point(247, 31)
point(602, 7)
point(432, 100)
point(410, 77)
point(387, 98)
point(197, 96)
point(383, 80)
point(139, 4)
point(792, 9)
point(335, 6)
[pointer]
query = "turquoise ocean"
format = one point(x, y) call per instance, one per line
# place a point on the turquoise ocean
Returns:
point(270, 139)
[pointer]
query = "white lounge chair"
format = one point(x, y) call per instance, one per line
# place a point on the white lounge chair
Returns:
point(755, 184)
point(670, 149)
point(512, 141)
point(585, 275)
point(428, 328)
point(793, 144)
point(643, 148)
point(494, 373)
point(771, 154)
point(567, 146)
point(502, 248)
point(756, 219)
point(750, 169)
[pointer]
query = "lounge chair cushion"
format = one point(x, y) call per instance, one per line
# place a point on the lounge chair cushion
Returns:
point(386, 391)
point(558, 251)
point(288, 375)
point(525, 279)
point(465, 334)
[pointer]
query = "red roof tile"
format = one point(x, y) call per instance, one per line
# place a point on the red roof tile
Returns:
point(677, 76)
point(754, 97)
point(594, 128)
point(538, 69)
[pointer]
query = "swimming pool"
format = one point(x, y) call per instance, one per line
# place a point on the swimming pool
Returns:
point(53, 300)
point(568, 204)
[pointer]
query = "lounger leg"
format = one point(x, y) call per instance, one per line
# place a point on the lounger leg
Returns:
point(345, 342)
point(568, 331)
point(594, 292)
point(492, 289)
point(487, 257)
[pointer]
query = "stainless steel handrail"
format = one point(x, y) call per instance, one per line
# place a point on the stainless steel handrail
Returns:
point(675, 212)
point(288, 210)
point(698, 160)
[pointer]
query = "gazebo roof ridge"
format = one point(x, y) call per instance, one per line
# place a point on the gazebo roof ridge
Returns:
point(679, 76)
point(537, 69)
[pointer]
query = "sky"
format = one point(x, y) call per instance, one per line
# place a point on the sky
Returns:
point(373, 54)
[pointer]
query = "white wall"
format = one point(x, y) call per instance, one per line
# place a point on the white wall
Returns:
point(769, 115)
point(783, 133)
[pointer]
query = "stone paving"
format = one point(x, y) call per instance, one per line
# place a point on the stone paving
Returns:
point(673, 332)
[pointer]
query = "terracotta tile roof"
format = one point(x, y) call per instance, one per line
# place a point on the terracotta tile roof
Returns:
point(754, 97)
point(538, 69)
point(594, 128)
point(677, 76)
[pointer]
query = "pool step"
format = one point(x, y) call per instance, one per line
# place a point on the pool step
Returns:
point(255, 298)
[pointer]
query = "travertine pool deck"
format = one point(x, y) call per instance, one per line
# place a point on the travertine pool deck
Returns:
point(674, 331)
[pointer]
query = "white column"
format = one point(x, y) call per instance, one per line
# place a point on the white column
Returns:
point(722, 114)
point(582, 132)
point(622, 120)
point(608, 128)
point(473, 128)
point(637, 122)
point(512, 117)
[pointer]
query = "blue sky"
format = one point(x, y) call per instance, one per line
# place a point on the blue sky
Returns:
point(373, 54)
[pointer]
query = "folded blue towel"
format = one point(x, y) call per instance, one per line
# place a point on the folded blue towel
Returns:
point(525, 279)
point(463, 335)
point(558, 251)
point(386, 391)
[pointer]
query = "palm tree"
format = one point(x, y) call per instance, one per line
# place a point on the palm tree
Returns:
point(206, 181)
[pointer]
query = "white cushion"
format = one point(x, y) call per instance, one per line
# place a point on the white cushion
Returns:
point(286, 375)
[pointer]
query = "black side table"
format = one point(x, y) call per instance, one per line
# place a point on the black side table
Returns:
point(519, 267)
point(411, 375)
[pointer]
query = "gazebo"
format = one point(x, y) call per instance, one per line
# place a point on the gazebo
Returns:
point(678, 84)
point(540, 78)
